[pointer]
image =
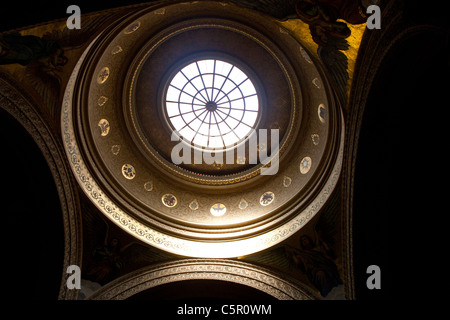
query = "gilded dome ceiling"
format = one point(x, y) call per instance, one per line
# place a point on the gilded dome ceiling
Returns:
point(119, 128)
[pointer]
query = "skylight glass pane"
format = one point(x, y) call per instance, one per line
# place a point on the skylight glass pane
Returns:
point(208, 79)
point(251, 103)
point(189, 88)
point(198, 108)
point(227, 87)
point(237, 75)
point(189, 116)
point(172, 94)
point(215, 142)
point(220, 97)
point(241, 130)
point(204, 129)
point(218, 82)
point(234, 94)
point(224, 128)
point(184, 97)
point(236, 104)
point(177, 122)
point(179, 81)
point(206, 66)
point(250, 118)
point(198, 84)
point(195, 124)
point(247, 88)
point(230, 138)
point(190, 71)
point(201, 140)
point(238, 114)
point(183, 108)
point(223, 68)
point(232, 122)
point(187, 134)
point(172, 109)
point(214, 130)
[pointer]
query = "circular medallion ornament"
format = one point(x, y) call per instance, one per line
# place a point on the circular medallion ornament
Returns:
point(132, 27)
point(322, 112)
point(305, 165)
point(104, 126)
point(177, 134)
point(218, 209)
point(267, 198)
point(103, 75)
point(169, 200)
point(148, 186)
point(128, 171)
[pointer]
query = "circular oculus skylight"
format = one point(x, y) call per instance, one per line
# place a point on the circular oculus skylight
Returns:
point(212, 104)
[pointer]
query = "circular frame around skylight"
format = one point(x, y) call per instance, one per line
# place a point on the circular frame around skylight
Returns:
point(211, 103)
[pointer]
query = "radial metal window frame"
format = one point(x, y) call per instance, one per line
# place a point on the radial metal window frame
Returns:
point(220, 106)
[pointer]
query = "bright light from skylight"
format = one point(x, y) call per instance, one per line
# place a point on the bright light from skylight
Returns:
point(212, 103)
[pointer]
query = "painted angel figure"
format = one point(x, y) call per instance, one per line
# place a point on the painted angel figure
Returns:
point(109, 254)
point(328, 24)
point(107, 262)
point(16, 48)
point(313, 254)
point(322, 16)
point(42, 58)
point(316, 262)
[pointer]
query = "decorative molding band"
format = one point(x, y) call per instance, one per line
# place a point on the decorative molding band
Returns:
point(24, 111)
point(276, 285)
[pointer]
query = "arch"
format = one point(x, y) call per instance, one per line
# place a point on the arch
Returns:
point(273, 284)
point(13, 101)
point(378, 52)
